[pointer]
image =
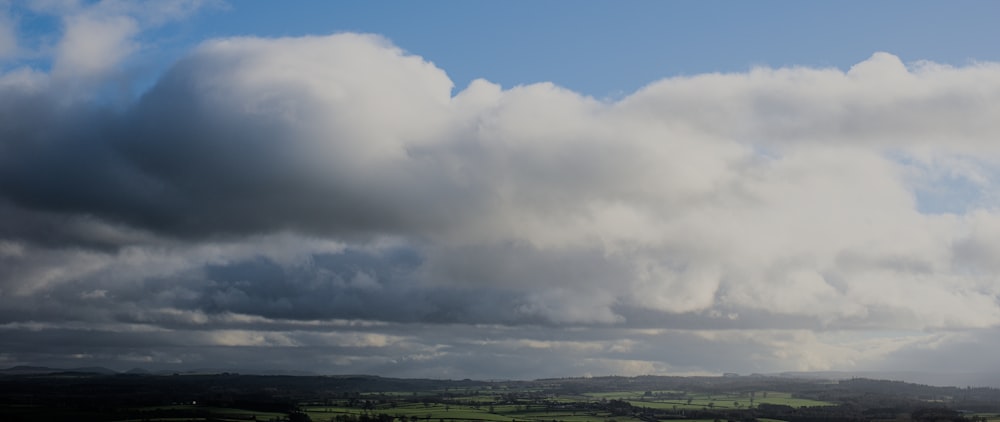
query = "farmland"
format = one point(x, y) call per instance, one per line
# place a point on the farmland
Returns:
point(232, 397)
point(546, 408)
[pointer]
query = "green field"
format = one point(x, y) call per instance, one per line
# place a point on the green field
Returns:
point(231, 398)
point(439, 412)
point(452, 406)
point(432, 411)
point(481, 407)
point(774, 397)
point(715, 401)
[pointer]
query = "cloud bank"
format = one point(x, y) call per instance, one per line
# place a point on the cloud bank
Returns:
point(335, 202)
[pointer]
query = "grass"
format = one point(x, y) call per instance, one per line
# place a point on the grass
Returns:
point(436, 411)
point(433, 412)
point(717, 401)
point(774, 397)
point(617, 395)
point(566, 416)
point(479, 408)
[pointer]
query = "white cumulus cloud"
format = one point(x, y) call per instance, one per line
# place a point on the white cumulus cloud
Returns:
point(341, 178)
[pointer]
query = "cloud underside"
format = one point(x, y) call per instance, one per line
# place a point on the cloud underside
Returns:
point(336, 200)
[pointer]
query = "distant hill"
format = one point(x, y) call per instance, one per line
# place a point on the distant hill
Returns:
point(42, 370)
point(28, 370)
point(961, 380)
point(982, 379)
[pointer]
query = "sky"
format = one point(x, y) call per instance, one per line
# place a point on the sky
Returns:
point(501, 190)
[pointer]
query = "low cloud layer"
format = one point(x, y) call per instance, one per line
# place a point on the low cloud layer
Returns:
point(334, 203)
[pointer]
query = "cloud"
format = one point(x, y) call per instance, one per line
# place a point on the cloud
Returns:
point(877, 103)
point(93, 45)
point(8, 34)
point(90, 52)
point(339, 178)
